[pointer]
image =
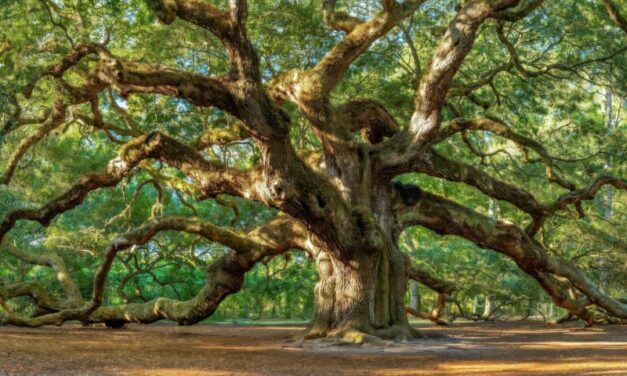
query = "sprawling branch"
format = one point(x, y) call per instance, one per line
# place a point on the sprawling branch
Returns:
point(449, 218)
point(212, 178)
point(454, 46)
point(435, 164)
point(434, 283)
point(229, 27)
point(502, 130)
point(225, 276)
point(436, 82)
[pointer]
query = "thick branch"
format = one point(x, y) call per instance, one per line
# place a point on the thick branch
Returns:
point(434, 283)
point(449, 218)
point(454, 46)
point(212, 178)
point(225, 276)
point(369, 116)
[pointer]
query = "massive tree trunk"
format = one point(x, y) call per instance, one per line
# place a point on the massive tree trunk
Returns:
point(364, 294)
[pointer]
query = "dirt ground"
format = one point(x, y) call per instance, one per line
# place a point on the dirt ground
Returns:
point(212, 350)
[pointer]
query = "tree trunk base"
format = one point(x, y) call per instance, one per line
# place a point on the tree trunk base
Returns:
point(400, 332)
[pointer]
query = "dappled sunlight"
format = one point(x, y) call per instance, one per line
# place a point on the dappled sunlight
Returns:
point(555, 345)
point(181, 372)
point(490, 368)
point(215, 350)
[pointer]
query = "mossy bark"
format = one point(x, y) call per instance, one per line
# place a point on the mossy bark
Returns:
point(364, 294)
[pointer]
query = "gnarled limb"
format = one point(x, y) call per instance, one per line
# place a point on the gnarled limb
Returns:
point(212, 178)
point(436, 80)
point(224, 276)
point(33, 290)
point(449, 218)
point(229, 27)
point(310, 89)
point(369, 116)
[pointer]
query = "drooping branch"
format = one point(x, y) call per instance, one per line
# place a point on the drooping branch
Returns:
point(443, 288)
point(434, 283)
point(449, 218)
point(225, 276)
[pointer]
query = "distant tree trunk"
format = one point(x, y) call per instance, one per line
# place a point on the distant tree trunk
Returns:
point(414, 301)
point(488, 307)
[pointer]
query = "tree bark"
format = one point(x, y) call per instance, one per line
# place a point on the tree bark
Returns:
point(363, 295)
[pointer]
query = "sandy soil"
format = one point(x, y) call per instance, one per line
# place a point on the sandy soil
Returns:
point(168, 350)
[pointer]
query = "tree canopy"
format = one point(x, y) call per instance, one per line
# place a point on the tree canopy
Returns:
point(158, 156)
